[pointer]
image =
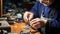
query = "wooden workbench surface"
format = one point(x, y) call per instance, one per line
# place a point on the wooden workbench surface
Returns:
point(18, 27)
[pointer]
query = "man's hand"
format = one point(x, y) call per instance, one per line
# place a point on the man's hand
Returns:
point(38, 23)
point(28, 16)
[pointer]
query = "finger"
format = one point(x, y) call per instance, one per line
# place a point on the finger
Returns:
point(30, 17)
point(25, 17)
point(34, 21)
point(36, 26)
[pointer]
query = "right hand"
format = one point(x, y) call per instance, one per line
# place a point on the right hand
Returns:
point(28, 16)
point(37, 23)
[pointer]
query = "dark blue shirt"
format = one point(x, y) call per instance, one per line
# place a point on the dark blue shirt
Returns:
point(37, 10)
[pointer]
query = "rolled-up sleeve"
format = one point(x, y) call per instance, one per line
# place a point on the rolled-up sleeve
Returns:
point(55, 21)
point(53, 26)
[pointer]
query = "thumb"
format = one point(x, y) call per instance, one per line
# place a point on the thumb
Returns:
point(30, 17)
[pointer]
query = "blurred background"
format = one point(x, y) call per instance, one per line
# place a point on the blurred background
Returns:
point(11, 14)
point(14, 7)
point(19, 6)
